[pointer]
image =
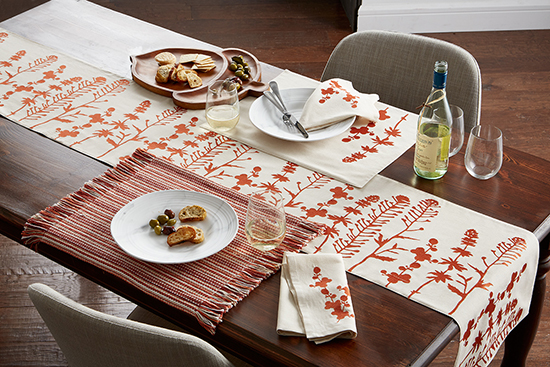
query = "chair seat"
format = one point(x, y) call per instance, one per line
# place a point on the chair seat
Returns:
point(91, 338)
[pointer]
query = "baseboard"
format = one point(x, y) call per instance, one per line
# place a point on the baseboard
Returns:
point(419, 16)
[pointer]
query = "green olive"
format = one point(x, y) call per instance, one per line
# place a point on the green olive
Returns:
point(233, 66)
point(153, 223)
point(171, 222)
point(238, 59)
point(245, 76)
point(163, 218)
point(239, 73)
point(158, 230)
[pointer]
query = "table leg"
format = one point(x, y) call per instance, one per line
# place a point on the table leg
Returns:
point(519, 341)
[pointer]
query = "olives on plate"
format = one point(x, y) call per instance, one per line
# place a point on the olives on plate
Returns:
point(163, 218)
point(164, 223)
point(158, 230)
point(240, 67)
point(168, 229)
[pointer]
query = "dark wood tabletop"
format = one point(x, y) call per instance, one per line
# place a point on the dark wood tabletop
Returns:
point(392, 331)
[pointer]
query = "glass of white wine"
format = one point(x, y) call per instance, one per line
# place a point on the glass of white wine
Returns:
point(222, 105)
point(265, 224)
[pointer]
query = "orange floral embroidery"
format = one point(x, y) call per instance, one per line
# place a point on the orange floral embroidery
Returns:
point(336, 88)
point(340, 306)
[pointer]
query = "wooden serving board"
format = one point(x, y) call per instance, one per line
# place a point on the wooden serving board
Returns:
point(144, 69)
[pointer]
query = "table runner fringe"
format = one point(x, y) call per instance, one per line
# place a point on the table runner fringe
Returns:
point(42, 221)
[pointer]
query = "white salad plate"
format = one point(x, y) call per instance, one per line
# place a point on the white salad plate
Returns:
point(266, 117)
point(131, 231)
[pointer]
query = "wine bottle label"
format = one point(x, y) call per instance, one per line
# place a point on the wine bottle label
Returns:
point(429, 151)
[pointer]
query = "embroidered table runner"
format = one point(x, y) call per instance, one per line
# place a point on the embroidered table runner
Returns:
point(105, 116)
point(478, 270)
point(80, 226)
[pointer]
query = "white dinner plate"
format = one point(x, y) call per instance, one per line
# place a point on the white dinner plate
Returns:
point(131, 231)
point(266, 117)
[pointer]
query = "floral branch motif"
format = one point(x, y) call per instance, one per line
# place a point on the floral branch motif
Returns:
point(391, 132)
point(505, 253)
point(442, 276)
point(332, 232)
point(336, 88)
point(166, 117)
point(340, 306)
point(38, 64)
point(500, 315)
point(115, 125)
point(65, 100)
point(3, 36)
point(424, 211)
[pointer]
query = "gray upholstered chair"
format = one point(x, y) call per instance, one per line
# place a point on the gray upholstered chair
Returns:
point(92, 338)
point(399, 68)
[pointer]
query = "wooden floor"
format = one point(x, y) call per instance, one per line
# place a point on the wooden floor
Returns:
point(298, 35)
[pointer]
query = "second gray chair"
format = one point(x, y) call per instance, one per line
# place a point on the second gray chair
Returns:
point(399, 68)
point(92, 338)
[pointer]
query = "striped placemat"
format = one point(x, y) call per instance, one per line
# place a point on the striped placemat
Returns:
point(80, 226)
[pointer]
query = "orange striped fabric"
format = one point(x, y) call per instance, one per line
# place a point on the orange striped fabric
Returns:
point(80, 226)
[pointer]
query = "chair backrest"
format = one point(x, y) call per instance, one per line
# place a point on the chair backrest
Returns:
point(399, 68)
point(92, 338)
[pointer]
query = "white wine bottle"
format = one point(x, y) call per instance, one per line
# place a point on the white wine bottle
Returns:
point(433, 135)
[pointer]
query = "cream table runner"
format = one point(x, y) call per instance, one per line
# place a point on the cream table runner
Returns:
point(478, 270)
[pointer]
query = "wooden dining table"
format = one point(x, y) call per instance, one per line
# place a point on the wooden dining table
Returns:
point(37, 172)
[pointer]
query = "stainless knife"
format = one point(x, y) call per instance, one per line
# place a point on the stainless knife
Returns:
point(292, 119)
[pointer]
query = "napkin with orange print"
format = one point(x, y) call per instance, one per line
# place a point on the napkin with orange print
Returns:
point(335, 100)
point(314, 298)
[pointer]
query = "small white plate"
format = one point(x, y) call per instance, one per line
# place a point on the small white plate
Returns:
point(131, 231)
point(266, 117)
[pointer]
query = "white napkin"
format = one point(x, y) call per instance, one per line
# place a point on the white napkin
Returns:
point(314, 298)
point(336, 100)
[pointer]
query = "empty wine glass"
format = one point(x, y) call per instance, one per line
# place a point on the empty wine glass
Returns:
point(483, 157)
point(265, 224)
point(457, 131)
point(222, 105)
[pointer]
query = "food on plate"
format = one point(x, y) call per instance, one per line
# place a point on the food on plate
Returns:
point(163, 73)
point(192, 213)
point(165, 58)
point(183, 234)
point(240, 67)
point(203, 63)
point(168, 230)
point(163, 218)
point(170, 70)
point(193, 80)
point(162, 222)
point(165, 224)
point(199, 234)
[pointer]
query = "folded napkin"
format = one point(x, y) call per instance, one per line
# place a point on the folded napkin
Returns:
point(336, 100)
point(314, 298)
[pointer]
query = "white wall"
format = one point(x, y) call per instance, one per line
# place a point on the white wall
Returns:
point(422, 16)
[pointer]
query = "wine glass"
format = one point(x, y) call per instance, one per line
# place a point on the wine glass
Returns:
point(483, 157)
point(457, 131)
point(265, 224)
point(222, 105)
